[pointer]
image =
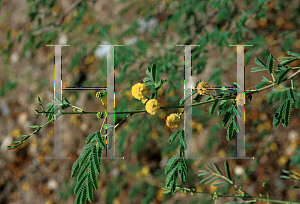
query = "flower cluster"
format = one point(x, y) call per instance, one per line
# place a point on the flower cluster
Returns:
point(152, 106)
point(100, 115)
point(173, 120)
point(201, 85)
point(99, 95)
point(139, 91)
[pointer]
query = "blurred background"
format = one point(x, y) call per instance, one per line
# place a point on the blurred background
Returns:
point(149, 32)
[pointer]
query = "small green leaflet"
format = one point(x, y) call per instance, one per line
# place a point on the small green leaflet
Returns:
point(213, 107)
point(174, 135)
point(281, 75)
point(160, 83)
point(229, 131)
point(151, 72)
point(270, 63)
point(171, 163)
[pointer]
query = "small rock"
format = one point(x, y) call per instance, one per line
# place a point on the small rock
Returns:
point(4, 108)
point(101, 51)
point(63, 39)
point(52, 184)
point(33, 168)
point(115, 172)
point(239, 170)
point(14, 58)
point(6, 142)
point(293, 135)
point(22, 119)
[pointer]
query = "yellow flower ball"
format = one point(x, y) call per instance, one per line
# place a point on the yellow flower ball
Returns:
point(139, 91)
point(173, 120)
point(203, 85)
point(152, 106)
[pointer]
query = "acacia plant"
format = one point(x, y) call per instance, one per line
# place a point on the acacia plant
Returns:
point(87, 166)
point(211, 24)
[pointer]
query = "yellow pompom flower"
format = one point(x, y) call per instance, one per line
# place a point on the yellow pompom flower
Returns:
point(152, 106)
point(139, 91)
point(173, 120)
point(201, 85)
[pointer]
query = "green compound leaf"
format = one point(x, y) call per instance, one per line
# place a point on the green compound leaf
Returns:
point(95, 159)
point(293, 54)
point(80, 183)
point(217, 169)
point(286, 113)
point(261, 85)
point(278, 115)
point(212, 180)
point(170, 176)
point(89, 189)
point(83, 170)
point(93, 176)
point(229, 135)
point(220, 183)
point(182, 171)
point(291, 95)
point(205, 179)
point(37, 130)
point(83, 194)
point(227, 171)
point(89, 146)
point(160, 83)
point(78, 197)
point(265, 79)
point(147, 81)
point(226, 117)
point(151, 72)
point(171, 163)
point(258, 69)
point(75, 167)
point(236, 124)
point(91, 138)
point(213, 107)
point(270, 63)
point(84, 156)
point(260, 63)
point(174, 136)
point(198, 98)
point(40, 103)
point(182, 139)
point(100, 140)
point(222, 106)
point(210, 169)
point(289, 60)
point(281, 75)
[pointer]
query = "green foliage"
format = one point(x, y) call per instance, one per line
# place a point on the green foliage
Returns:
point(295, 160)
point(215, 175)
point(213, 107)
point(282, 74)
point(292, 176)
point(88, 160)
